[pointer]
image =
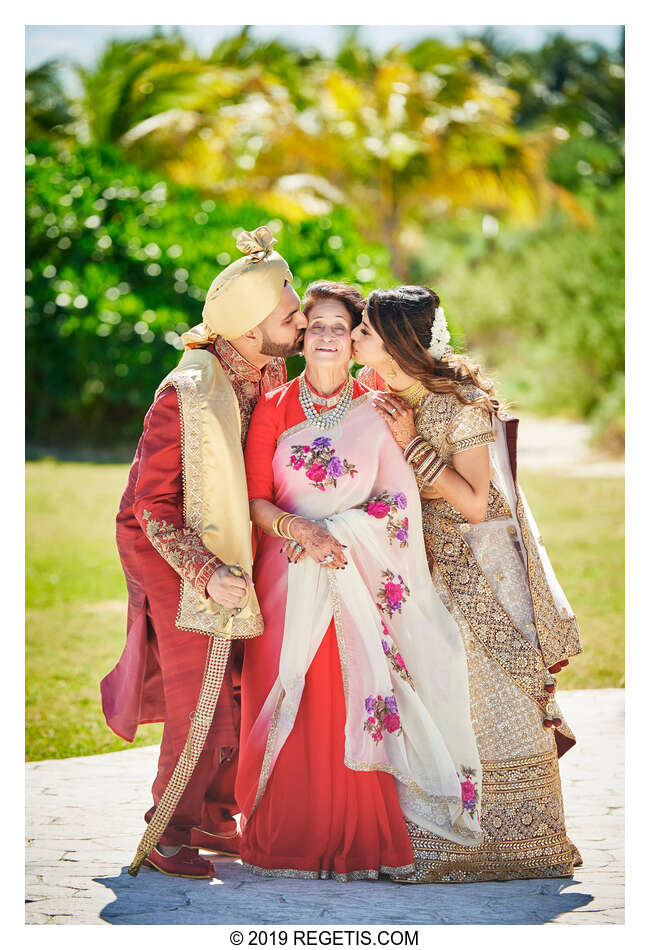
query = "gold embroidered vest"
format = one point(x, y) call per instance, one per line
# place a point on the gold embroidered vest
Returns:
point(215, 499)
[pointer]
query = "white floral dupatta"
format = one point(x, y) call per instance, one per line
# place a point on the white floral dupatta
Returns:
point(402, 658)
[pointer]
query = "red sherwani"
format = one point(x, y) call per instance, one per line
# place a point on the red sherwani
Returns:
point(159, 674)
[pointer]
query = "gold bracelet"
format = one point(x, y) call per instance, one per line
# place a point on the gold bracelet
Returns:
point(283, 517)
point(286, 527)
point(276, 522)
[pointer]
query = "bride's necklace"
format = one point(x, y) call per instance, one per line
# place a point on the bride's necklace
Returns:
point(414, 395)
point(329, 418)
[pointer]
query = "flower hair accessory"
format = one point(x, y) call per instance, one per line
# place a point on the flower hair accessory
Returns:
point(440, 335)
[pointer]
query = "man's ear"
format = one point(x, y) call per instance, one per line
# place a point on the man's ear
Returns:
point(253, 335)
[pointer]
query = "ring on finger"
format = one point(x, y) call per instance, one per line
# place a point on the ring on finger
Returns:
point(327, 559)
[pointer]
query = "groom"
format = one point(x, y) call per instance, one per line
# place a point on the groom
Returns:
point(183, 535)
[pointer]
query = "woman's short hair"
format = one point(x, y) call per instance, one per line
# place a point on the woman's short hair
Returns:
point(353, 301)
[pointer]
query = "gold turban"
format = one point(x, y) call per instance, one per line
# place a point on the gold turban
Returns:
point(246, 291)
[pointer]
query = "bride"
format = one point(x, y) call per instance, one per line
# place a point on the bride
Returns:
point(355, 713)
point(491, 568)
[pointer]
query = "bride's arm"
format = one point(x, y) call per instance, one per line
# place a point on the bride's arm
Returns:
point(465, 487)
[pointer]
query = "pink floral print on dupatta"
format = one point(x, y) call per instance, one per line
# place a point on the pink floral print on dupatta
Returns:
point(393, 593)
point(383, 715)
point(321, 464)
point(389, 505)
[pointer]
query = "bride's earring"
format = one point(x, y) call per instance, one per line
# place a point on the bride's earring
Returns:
point(392, 374)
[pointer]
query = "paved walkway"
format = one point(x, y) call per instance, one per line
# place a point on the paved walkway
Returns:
point(84, 820)
point(563, 445)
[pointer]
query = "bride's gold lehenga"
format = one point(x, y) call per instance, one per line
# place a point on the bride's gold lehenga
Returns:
point(496, 580)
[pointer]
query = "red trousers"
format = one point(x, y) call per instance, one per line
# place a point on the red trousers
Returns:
point(208, 802)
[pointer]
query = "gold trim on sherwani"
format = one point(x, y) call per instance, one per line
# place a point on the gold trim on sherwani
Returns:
point(215, 501)
point(215, 508)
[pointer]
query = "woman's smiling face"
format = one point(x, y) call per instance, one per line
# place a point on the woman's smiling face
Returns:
point(327, 341)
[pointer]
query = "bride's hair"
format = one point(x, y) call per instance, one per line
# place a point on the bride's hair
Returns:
point(403, 318)
point(349, 296)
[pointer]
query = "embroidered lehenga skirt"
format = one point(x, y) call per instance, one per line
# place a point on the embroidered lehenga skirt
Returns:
point(523, 812)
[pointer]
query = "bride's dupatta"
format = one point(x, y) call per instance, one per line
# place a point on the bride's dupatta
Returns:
point(402, 658)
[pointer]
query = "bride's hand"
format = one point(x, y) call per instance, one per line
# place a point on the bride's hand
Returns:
point(399, 417)
point(316, 542)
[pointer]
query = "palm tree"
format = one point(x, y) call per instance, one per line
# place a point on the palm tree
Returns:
point(401, 140)
point(410, 138)
point(47, 107)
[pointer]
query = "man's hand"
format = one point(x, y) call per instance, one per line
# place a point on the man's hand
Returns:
point(227, 589)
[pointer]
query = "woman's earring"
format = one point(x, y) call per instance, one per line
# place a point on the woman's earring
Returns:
point(392, 374)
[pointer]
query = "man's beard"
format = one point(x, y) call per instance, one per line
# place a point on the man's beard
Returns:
point(269, 348)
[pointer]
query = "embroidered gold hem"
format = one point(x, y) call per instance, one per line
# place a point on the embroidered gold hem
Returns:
point(459, 876)
point(268, 753)
point(368, 874)
point(463, 445)
point(523, 821)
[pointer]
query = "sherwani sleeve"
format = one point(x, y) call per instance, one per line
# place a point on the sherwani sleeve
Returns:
point(158, 502)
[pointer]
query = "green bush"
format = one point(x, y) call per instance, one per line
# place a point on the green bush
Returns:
point(118, 265)
point(546, 311)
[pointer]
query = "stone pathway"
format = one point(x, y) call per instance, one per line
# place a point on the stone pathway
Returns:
point(563, 445)
point(84, 820)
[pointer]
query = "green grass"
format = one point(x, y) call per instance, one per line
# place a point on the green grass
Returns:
point(76, 607)
point(76, 595)
point(582, 521)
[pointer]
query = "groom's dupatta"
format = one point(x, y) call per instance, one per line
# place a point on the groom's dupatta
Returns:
point(402, 660)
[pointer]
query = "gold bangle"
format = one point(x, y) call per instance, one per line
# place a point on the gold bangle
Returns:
point(281, 523)
point(276, 523)
point(286, 527)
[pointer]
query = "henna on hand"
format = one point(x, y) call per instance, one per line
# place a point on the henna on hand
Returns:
point(399, 417)
point(318, 543)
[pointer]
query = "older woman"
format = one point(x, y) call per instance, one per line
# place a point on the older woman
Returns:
point(355, 713)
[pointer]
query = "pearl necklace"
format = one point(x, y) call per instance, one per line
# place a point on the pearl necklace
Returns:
point(329, 418)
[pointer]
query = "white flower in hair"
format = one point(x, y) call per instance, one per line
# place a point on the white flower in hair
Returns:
point(440, 335)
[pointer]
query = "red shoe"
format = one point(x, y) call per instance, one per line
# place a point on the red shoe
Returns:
point(185, 863)
point(228, 843)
